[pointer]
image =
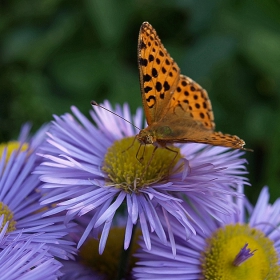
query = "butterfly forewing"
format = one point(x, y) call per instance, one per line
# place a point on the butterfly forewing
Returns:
point(159, 74)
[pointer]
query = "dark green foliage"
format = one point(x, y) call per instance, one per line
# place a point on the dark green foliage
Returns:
point(56, 53)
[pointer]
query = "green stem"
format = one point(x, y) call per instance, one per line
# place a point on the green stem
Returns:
point(125, 258)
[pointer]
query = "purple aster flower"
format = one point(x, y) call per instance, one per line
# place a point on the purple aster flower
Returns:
point(24, 142)
point(34, 141)
point(242, 248)
point(94, 170)
point(20, 196)
point(21, 258)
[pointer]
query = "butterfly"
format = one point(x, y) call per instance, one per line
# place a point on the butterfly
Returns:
point(177, 109)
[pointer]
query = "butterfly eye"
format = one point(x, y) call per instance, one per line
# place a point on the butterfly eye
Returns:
point(149, 139)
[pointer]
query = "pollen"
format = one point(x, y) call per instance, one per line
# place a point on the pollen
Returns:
point(8, 217)
point(132, 167)
point(12, 146)
point(227, 242)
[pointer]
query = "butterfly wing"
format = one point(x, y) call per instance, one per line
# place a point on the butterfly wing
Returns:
point(186, 130)
point(215, 139)
point(190, 119)
point(159, 74)
point(177, 109)
point(193, 101)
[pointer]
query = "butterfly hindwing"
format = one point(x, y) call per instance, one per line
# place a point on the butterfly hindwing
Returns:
point(194, 100)
point(159, 74)
point(185, 129)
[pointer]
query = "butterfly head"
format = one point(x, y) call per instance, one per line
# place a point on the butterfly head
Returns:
point(145, 137)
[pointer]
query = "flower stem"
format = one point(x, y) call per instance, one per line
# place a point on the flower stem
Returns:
point(125, 258)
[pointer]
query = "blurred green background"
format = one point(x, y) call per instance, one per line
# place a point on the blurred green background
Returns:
point(56, 53)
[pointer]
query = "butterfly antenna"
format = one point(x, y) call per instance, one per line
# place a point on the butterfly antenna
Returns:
point(93, 103)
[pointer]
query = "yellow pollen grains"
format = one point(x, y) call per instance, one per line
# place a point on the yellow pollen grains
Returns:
point(12, 146)
point(126, 171)
point(8, 217)
point(224, 245)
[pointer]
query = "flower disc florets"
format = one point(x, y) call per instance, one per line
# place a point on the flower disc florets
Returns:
point(225, 244)
point(12, 146)
point(8, 217)
point(131, 167)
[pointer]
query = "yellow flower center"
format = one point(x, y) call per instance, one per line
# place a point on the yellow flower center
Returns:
point(8, 217)
point(224, 245)
point(12, 146)
point(4, 209)
point(108, 263)
point(131, 168)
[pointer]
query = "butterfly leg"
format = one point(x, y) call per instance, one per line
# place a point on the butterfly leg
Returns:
point(176, 154)
point(142, 156)
point(150, 160)
point(185, 165)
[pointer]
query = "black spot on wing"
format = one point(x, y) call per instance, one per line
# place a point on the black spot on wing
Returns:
point(151, 99)
point(151, 58)
point(154, 72)
point(143, 61)
point(142, 45)
point(158, 86)
point(147, 78)
point(166, 86)
point(147, 89)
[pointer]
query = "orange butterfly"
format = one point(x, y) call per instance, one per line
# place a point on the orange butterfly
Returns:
point(177, 109)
